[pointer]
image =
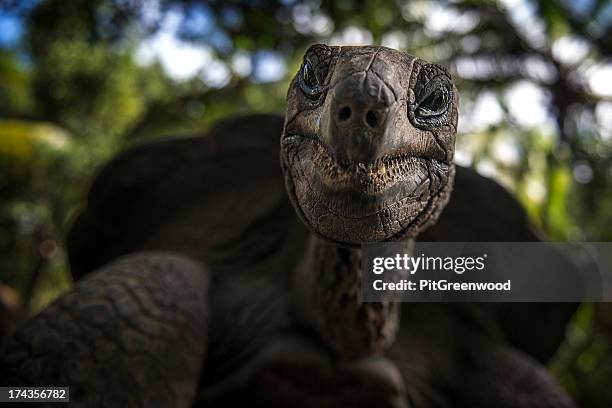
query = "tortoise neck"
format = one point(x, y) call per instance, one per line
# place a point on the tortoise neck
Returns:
point(329, 288)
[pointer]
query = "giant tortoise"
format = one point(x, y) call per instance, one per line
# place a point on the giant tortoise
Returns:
point(223, 270)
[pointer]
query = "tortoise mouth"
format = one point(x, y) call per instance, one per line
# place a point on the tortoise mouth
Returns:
point(356, 202)
point(357, 190)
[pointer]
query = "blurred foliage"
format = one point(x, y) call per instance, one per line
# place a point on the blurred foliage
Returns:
point(582, 365)
point(78, 87)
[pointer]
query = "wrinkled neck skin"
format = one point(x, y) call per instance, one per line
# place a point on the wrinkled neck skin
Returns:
point(328, 289)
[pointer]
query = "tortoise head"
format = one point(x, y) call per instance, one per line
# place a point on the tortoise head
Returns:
point(368, 142)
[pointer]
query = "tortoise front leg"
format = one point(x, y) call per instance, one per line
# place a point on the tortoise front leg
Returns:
point(129, 334)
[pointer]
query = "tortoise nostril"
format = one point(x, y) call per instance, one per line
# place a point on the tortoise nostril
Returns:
point(371, 119)
point(344, 113)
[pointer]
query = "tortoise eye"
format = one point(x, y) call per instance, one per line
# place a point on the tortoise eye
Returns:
point(434, 104)
point(308, 81)
point(308, 75)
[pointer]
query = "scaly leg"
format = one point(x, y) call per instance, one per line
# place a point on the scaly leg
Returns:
point(130, 334)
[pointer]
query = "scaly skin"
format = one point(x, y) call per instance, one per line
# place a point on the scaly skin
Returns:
point(329, 296)
point(131, 334)
point(364, 161)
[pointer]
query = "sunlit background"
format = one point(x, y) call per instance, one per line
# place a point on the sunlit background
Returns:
point(82, 80)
